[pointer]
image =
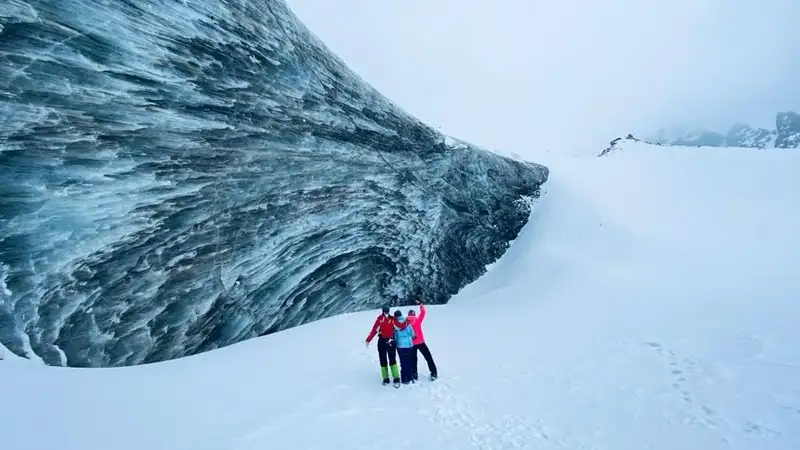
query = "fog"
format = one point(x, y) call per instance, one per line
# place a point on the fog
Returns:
point(569, 75)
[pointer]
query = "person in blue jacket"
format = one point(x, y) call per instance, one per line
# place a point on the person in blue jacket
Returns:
point(404, 342)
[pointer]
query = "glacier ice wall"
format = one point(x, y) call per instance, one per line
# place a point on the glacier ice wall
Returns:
point(176, 176)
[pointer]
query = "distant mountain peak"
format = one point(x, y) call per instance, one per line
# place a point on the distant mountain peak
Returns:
point(618, 143)
point(785, 135)
point(788, 130)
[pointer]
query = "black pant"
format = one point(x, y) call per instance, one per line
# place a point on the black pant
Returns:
point(386, 351)
point(406, 364)
point(426, 353)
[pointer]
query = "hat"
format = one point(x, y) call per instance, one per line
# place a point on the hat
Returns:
point(398, 313)
point(385, 309)
point(411, 312)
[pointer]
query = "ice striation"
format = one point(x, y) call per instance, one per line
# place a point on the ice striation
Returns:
point(177, 176)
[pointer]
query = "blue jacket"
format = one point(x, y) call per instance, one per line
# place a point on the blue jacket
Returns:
point(404, 338)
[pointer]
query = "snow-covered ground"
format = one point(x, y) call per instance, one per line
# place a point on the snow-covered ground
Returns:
point(651, 303)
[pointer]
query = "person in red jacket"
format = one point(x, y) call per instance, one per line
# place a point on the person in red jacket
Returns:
point(419, 342)
point(387, 352)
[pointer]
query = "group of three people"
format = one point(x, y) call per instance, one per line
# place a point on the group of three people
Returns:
point(398, 335)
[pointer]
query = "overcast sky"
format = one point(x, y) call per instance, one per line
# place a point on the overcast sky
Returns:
point(569, 75)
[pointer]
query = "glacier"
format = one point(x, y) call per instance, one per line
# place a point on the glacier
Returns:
point(648, 303)
point(180, 176)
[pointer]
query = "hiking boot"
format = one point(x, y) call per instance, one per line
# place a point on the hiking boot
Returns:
point(385, 381)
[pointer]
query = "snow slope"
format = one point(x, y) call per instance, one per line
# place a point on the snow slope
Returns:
point(650, 303)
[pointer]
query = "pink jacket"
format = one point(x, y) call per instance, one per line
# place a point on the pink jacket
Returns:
point(416, 324)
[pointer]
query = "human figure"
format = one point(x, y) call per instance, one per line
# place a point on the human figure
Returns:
point(384, 328)
point(419, 342)
point(404, 338)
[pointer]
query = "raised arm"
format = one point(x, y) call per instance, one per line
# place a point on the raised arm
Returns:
point(421, 312)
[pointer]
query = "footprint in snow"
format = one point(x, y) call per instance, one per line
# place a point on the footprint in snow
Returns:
point(680, 369)
point(484, 432)
point(761, 431)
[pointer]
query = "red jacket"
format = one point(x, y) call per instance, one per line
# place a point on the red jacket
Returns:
point(384, 327)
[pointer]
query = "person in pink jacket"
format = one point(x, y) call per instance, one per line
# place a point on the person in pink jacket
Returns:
point(419, 342)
